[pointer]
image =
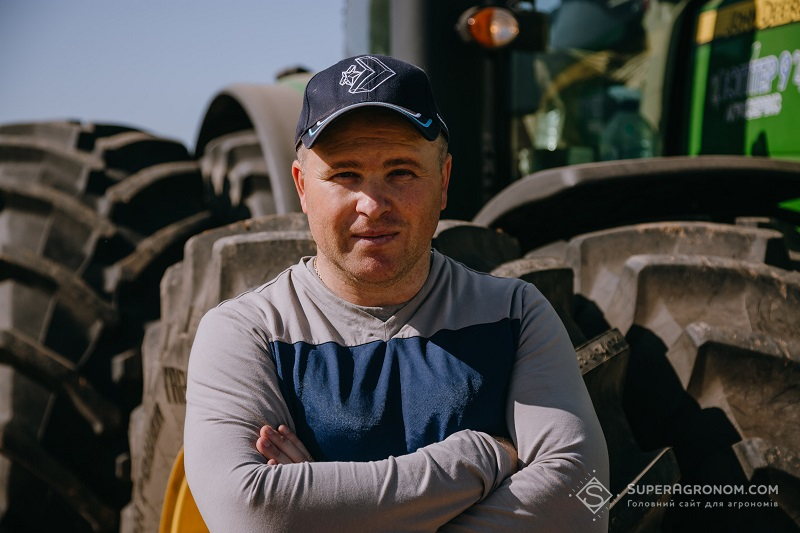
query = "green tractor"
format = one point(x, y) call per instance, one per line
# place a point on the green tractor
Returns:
point(636, 160)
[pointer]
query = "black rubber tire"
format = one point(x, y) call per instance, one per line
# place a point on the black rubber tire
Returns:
point(217, 264)
point(91, 216)
point(710, 313)
point(234, 168)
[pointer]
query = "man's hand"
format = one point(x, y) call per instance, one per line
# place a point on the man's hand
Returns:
point(512, 451)
point(281, 446)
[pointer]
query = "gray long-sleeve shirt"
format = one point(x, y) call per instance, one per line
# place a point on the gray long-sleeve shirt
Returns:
point(398, 413)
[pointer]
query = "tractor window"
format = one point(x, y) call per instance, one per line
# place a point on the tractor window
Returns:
point(596, 93)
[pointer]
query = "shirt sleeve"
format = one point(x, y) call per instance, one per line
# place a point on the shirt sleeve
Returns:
point(232, 391)
point(552, 421)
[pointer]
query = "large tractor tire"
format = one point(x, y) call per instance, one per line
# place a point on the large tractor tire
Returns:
point(217, 265)
point(234, 166)
point(245, 148)
point(245, 153)
point(90, 216)
point(709, 310)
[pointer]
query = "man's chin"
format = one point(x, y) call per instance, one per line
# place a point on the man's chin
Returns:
point(372, 274)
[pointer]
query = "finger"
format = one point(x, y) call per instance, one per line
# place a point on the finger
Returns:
point(287, 446)
point(289, 434)
point(265, 448)
point(271, 452)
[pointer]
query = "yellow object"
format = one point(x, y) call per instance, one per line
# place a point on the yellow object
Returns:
point(180, 513)
point(745, 17)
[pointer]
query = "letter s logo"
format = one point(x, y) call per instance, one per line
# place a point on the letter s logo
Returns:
point(594, 490)
point(594, 495)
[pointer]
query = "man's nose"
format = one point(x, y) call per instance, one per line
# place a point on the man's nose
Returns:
point(373, 199)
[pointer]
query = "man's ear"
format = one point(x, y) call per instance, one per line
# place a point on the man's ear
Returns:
point(299, 183)
point(446, 168)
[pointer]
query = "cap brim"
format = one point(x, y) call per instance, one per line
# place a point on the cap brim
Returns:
point(427, 126)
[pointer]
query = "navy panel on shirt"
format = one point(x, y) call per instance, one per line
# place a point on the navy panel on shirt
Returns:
point(371, 401)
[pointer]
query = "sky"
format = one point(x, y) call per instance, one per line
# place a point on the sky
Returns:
point(152, 64)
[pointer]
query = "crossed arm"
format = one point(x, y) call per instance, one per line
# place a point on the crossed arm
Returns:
point(280, 446)
point(463, 483)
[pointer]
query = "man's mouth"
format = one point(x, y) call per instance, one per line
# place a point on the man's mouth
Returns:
point(376, 237)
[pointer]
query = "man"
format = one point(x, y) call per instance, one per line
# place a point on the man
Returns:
point(372, 387)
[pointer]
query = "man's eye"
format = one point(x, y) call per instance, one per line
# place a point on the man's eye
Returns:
point(402, 173)
point(344, 175)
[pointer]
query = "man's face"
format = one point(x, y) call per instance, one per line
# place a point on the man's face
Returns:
point(373, 189)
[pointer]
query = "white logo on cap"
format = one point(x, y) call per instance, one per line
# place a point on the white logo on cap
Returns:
point(373, 73)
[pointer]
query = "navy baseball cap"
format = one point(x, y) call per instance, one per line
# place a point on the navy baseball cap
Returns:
point(363, 81)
